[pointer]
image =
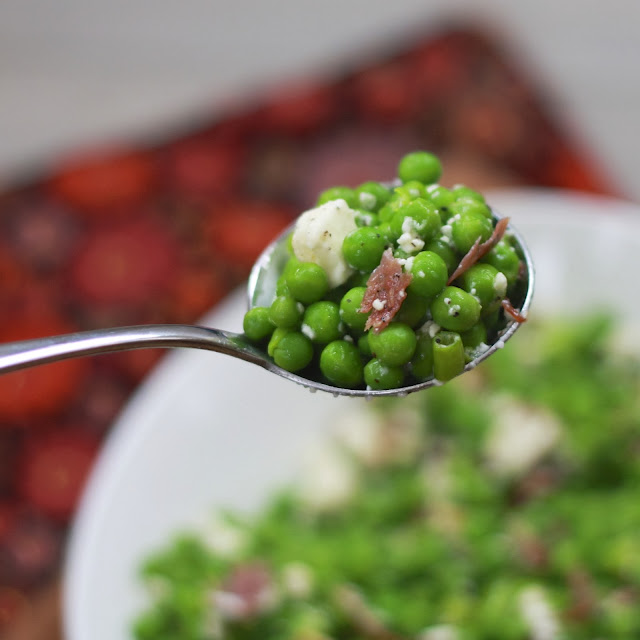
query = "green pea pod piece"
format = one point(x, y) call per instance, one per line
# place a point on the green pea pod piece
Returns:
point(422, 361)
point(448, 355)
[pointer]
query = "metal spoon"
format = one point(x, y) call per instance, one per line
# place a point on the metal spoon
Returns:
point(261, 288)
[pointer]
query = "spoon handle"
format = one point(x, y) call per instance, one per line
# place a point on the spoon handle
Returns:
point(28, 353)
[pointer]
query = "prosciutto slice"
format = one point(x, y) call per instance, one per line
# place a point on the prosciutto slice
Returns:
point(386, 291)
point(479, 250)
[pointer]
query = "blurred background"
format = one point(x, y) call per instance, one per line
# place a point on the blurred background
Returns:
point(183, 126)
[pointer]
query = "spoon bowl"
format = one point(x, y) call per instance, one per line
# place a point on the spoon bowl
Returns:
point(261, 291)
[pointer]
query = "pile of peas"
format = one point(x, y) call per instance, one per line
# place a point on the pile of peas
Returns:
point(320, 331)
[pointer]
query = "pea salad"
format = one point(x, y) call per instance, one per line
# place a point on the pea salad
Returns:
point(392, 284)
point(500, 506)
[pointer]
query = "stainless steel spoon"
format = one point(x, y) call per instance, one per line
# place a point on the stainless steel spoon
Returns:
point(261, 288)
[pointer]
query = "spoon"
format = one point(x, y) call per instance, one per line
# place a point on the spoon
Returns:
point(261, 288)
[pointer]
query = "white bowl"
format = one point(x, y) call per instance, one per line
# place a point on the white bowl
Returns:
point(206, 430)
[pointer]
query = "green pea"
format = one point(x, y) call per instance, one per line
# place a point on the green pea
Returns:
point(474, 337)
point(350, 309)
point(463, 207)
point(339, 193)
point(412, 189)
point(389, 235)
point(341, 364)
point(292, 351)
point(421, 166)
point(371, 196)
point(466, 228)
point(276, 336)
point(422, 361)
point(461, 192)
point(429, 274)
point(413, 310)
point(257, 325)
point(504, 258)
point(363, 248)
point(455, 310)
point(321, 322)
point(378, 375)
point(394, 344)
point(363, 345)
point(442, 247)
point(448, 355)
point(424, 217)
point(485, 283)
point(307, 282)
point(440, 196)
point(397, 200)
point(286, 312)
point(366, 219)
point(282, 288)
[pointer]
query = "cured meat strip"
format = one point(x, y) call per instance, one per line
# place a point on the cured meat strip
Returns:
point(386, 291)
point(512, 312)
point(479, 250)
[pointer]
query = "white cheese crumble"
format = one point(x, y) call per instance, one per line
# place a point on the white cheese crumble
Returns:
point(408, 263)
point(454, 310)
point(447, 230)
point(410, 241)
point(430, 327)
point(378, 304)
point(500, 284)
point(367, 200)
point(318, 237)
point(308, 331)
point(432, 187)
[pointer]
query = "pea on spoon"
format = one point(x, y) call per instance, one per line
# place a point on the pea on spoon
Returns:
point(261, 291)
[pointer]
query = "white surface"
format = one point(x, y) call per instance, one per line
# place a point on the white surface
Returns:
point(194, 437)
point(76, 72)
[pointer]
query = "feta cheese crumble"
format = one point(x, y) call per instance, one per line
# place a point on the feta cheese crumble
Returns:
point(500, 284)
point(318, 237)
